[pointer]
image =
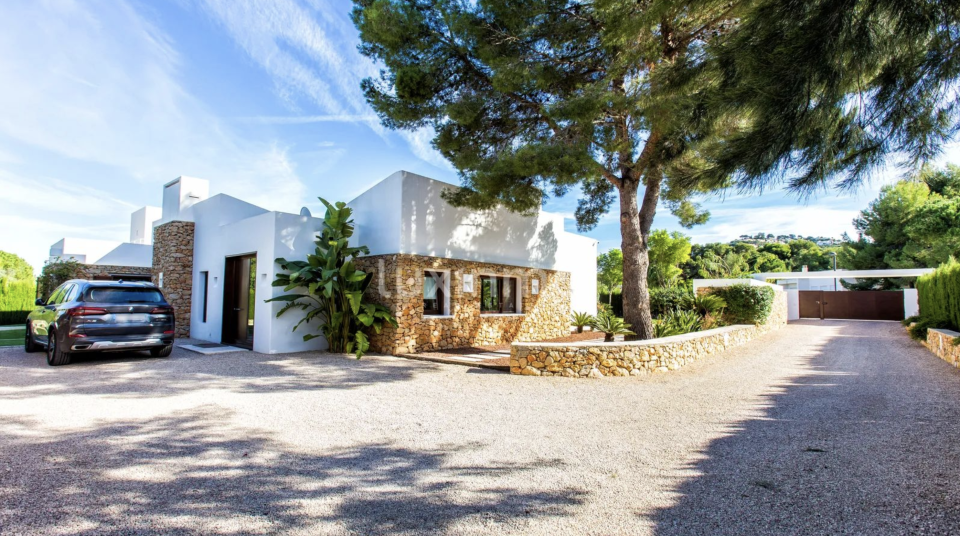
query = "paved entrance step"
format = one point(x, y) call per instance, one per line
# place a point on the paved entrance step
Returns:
point(478, 359)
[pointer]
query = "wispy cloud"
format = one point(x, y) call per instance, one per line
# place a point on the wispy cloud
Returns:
point(97, 84)
point(306, 119)
point(310, 51)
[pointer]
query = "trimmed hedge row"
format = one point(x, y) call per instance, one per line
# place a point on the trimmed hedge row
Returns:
point(12, 318)
point(939, 295)
point(746, 304)
point(16, 300)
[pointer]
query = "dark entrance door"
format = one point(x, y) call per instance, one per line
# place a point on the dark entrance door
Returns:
point(239, 299)
point(852, 305)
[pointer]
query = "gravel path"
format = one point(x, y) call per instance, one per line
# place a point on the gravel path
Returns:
point(819, 428)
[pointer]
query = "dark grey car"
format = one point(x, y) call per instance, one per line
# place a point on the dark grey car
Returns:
point(97, 316)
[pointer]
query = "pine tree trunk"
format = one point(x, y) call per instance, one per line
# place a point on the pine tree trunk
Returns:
point(636, 296)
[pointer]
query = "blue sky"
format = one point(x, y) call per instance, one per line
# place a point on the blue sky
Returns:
point(104, 101)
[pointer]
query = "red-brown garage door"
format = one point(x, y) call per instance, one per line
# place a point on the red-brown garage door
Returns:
point(852, 305)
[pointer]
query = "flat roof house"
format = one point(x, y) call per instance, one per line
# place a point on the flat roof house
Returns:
point(453, 277)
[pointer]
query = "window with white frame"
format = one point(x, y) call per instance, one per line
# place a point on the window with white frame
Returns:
point(499, 294)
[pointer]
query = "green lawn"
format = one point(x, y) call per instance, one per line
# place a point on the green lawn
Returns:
point(11, 337)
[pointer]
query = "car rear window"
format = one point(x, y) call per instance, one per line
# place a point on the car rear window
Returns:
point(123, 295)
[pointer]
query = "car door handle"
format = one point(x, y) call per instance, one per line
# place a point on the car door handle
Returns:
point(236, 308)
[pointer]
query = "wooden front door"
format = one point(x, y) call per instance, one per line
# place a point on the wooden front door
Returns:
point(239, 300)
point(852, 305)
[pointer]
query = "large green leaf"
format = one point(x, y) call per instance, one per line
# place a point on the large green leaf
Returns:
point(354, 299)
point(363, 344)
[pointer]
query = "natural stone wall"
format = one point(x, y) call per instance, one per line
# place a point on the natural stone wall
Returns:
point(107, 271)
point(598, 359)
point(173, 257)
point(398, 285)
point(940, 342)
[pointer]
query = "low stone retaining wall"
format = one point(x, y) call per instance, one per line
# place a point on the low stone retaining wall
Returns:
point(940, 342)
point(594, 359)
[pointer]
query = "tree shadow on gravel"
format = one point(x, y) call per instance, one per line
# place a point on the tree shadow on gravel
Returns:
point(189, 475)
point(866, 442)
point(136, 374)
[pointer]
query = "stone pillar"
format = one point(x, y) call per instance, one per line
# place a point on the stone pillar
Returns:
point(173, 261)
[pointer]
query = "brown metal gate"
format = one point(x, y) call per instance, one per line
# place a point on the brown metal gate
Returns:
point(852, 305)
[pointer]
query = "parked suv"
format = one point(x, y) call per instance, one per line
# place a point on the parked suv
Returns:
point(95, 316)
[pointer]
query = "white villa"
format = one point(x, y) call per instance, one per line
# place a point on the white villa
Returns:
point(213, 256)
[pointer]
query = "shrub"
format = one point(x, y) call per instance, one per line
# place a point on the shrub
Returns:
point(331, 288)
point(919, 330)
point(611, 326)
point(746, 304)
point(939, 294)
point(581, 319)
point(56, 273)
point(909, 320)
point(677, 323)
point(666, 299)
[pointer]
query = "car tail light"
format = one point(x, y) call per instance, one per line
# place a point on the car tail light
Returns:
point(170, 332)
point(87, 311)
point(162, 311)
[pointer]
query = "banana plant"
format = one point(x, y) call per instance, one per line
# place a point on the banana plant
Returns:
point(328, 287)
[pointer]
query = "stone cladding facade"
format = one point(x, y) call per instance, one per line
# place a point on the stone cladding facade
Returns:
point(173, 257)
point(634, 358)
point(398, 284)
point(107, 272)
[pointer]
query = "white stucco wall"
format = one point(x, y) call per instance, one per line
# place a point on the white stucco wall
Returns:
point(180, 195)
point(705, 283)
point(376, 213)
point(405, 214)
point(911, 302)
point(793, 304)
point(227, 227)
point(141, 224)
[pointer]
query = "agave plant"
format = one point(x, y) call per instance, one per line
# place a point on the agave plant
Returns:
point(708, 304)
point(611, 326)
point(581, 319)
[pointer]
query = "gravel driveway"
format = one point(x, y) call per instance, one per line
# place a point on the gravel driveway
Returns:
point(820, 428)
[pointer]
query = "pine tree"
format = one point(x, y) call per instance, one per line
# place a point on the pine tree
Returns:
point(640, 101)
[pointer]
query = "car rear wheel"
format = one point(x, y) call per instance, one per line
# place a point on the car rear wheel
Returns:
point(163, 351)
point(29, 345)
point(55, 355)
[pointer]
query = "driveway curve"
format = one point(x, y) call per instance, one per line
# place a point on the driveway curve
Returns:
point(823, 427)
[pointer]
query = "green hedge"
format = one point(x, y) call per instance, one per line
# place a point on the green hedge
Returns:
point(746, 304)
point(663, 300)
point(11, 318)
point(939, 295)
point(16, 300)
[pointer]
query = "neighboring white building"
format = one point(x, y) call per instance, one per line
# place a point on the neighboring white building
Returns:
point(137, 253)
